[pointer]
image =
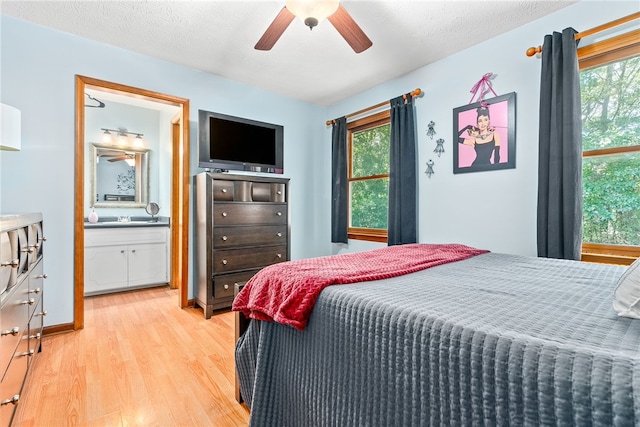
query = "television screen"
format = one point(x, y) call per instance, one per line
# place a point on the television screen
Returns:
point(235, 143)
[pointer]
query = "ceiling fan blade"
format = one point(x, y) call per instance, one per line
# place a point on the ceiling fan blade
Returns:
point(349, 30)
point(117, 159)
point(275, 30)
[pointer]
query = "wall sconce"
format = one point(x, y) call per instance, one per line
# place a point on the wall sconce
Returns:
point(123, 137)
point(10, 134)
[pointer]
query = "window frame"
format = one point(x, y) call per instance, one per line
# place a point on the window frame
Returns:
point(372, 121)
point(597, 54)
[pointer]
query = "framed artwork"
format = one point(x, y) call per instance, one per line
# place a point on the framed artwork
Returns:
point(484, 135)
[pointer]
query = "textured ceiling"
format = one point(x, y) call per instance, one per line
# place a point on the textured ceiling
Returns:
point(314, 66)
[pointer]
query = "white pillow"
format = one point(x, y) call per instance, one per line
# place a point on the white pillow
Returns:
point(626, 297)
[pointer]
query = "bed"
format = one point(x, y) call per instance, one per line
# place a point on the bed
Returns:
point(494, 339)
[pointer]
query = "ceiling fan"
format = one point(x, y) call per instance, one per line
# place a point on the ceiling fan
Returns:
point(311, 12)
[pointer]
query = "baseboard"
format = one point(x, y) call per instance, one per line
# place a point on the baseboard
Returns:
point(57, 329)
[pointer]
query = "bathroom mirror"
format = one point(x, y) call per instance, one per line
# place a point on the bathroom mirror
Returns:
point(119, 177)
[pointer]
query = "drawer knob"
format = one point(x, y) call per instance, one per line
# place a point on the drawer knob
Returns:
point(279, 213)
point(122, 251)
point(29, 249)
point(279, 192)
point(226, 287)
point(42, 239)
point(42, 313)
point(30, 301)
point(279, 255)
point(133, 251)
point(224, 238)
point(279, 234)
point(13, 400)
point(35, 337)
point(41, 276)
point(224, 214)
point(35, 291)
point(224, 262)
point(224, 190)
point(13, 263)
point(26, 353)
point(15, 331)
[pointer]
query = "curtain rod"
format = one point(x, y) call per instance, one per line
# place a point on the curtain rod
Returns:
point(535, 50)
point(414, 93)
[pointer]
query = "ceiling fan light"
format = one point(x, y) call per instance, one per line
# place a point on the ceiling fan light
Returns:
point(312, 12)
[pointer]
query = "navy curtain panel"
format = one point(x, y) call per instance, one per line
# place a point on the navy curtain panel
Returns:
point(339, 202)
point(560, 149)
point(403, 206)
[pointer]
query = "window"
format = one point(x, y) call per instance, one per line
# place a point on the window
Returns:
point(610, 84)
point(368, 141)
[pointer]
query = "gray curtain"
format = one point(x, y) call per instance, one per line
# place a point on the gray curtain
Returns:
point(402, 227)
point(560, 149)
point(339, 202)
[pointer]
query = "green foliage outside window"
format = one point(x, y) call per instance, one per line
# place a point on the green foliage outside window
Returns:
point(370, 197)
point(610, 119)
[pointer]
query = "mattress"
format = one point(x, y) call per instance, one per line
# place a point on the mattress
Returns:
point(492, 340)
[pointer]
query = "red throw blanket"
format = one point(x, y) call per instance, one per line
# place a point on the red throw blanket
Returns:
point(286, 292)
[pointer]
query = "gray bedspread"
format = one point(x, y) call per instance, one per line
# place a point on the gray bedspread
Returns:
point(493, 340)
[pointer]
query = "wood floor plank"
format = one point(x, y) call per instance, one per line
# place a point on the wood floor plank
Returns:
point(139, 361)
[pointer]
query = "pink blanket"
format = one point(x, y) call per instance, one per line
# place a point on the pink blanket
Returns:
point(286, 292)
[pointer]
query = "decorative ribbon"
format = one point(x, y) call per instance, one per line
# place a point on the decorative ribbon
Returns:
point(481, 88)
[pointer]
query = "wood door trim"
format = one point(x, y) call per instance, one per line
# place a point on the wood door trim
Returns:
point(179, 191)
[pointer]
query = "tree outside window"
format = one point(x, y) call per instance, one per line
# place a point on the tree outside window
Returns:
point(610, 85)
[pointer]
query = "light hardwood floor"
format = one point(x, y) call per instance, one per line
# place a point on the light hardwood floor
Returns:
point(139, 361)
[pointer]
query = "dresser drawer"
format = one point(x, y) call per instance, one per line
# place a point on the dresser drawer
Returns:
point(225, 237)
point(224, 285)
point(222, 190)
point(13, 380)
point(13, 322)
point(229, 260)
point(249, 213)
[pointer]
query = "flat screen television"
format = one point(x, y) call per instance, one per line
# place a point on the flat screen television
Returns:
point(235, 143)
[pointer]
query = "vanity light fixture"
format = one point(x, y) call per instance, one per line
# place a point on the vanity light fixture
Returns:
point(123, 137)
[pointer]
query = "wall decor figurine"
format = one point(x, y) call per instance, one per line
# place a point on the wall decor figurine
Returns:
point(429, 170)
point(431, 131)
point(484, 135)
point(439, 146)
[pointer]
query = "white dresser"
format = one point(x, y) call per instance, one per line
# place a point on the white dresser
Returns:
point(21, 305)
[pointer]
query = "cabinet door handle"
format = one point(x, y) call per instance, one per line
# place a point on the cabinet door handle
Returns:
point(226, 287)
point(13, 263)
point(122, 251)
point(15, 331)
point(224, 238)
point(224, 214)
point(13, 400)
point(279, 234)
point(133, 251)
point(279, 213)
point(35, 291)
point(224, 262)
point(41, 276)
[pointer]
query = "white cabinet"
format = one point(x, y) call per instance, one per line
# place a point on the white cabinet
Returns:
point(123, 258)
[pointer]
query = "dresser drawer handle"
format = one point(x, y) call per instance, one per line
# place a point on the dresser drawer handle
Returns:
point(30, 301)
point(226, 287)
point(279, 234)
point(224, 262)
point(224, 214)
point(279, 213)
point(224, 238)
point(29, 249)
point(13, 263)
point(42, 313)
point(13, 400)
point(35, 337)
point(279, 192)
point(224, 190)
point(26, 353)
point(15, 331)
point(35, 291)
point(279, 255)
point(41, 276)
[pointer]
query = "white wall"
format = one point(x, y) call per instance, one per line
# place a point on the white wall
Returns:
point(38, 68)
point(492, 210)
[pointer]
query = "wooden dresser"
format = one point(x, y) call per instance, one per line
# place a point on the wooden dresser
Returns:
point(242, 225)
point(21, 305)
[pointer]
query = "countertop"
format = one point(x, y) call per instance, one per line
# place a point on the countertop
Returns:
point(134, 221)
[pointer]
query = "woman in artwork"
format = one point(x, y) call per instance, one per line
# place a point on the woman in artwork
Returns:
point(482, 138)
